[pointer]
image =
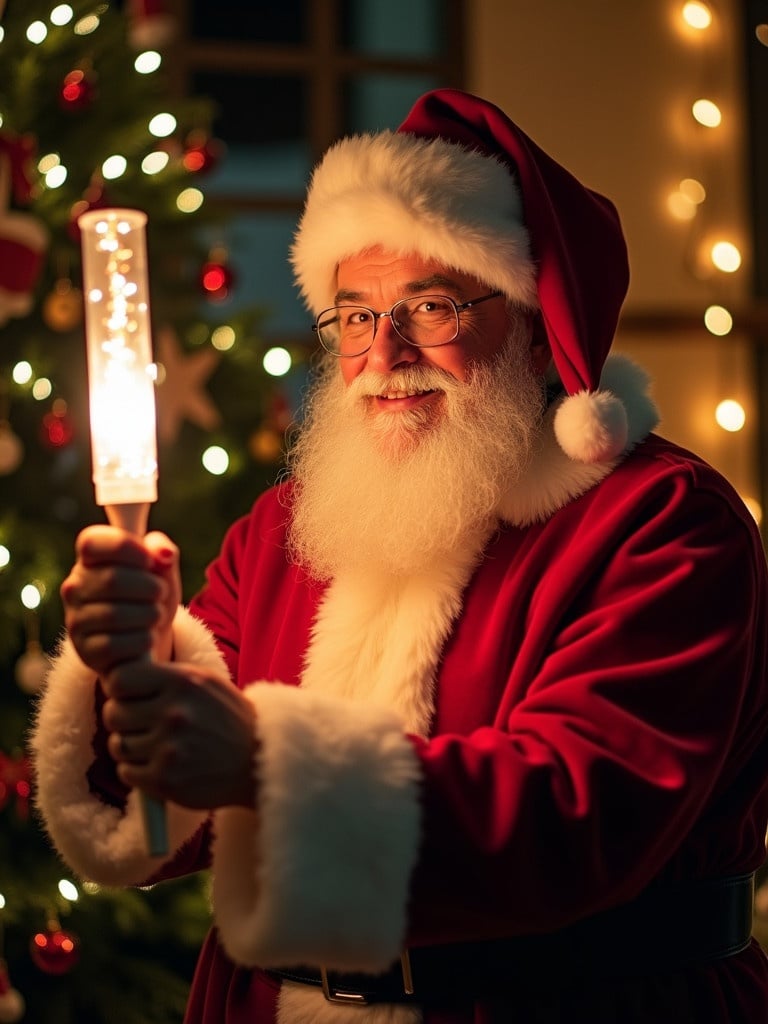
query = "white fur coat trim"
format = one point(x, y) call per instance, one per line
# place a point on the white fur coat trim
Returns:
point(102, 843)
point(552, 479)
point(319, 875)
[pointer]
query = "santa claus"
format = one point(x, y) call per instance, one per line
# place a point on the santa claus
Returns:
point(497, 747)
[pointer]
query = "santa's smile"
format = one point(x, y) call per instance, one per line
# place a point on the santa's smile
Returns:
point(403, 398)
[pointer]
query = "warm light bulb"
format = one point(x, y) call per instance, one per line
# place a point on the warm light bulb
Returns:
point(707, 113)
point(37, 32)
point(48, 162)
point(681, 206)
point(189, 200)
point(68, 890)
point(114, 167)
point(22, 372)
point(726, 257)
point(5, 556)
point(697, 15)
point(147, 62)
point(62, 14)
point(86, 25)
point(56, 177)
point(718, 320)
point(693, 190)
point(277, 361)
point(155, 162)
point(730, 415)
point(162, 125)
point(31, 596)
point(223, 338)
point(42, 389)
point(215, 460)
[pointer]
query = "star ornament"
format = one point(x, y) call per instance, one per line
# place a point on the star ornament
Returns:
point(181, 391)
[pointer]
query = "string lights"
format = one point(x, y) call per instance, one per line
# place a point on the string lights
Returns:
point(714, 256)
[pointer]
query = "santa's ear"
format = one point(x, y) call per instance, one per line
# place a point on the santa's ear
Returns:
point(541, 353)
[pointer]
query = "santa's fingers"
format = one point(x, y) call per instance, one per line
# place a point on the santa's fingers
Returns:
point(130, 747)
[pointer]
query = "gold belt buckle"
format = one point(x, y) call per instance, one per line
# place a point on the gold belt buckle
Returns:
point(338, 995)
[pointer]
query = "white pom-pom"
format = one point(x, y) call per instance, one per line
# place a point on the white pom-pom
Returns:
point(591, 426)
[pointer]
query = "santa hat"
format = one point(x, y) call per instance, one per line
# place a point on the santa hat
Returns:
point(460, 183)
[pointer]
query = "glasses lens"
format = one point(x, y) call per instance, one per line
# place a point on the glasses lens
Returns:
point(345, 330)
point(426, 320)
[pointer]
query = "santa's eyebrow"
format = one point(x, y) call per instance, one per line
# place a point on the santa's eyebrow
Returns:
point(421, 287)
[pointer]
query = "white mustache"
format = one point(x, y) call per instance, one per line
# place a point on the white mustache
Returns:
point(411, 380)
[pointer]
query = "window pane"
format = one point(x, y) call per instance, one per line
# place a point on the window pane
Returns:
point(376, 102)
point(255, 108)
point(282, 22)
point(402, 28)
point(257, 249)
point(281, 170)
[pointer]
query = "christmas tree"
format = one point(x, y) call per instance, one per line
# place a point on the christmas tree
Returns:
point(87, 122)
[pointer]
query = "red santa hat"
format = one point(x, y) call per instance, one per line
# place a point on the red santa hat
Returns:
point(460, 183)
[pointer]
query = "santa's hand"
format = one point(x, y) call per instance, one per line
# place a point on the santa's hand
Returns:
point(121, 597)
point(181, 733)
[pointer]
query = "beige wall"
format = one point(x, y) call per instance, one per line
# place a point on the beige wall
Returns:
point(606, 87)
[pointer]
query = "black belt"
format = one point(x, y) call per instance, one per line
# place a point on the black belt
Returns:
point(666, 928)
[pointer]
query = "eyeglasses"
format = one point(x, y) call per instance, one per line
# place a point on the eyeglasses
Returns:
point(424, 321)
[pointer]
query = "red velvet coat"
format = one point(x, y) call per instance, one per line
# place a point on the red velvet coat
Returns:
point(600, 721)
point(526, 735)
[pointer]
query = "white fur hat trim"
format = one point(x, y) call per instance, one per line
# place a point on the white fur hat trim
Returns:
point(411, 195)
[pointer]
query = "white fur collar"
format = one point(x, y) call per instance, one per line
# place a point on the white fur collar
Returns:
point(553, 479)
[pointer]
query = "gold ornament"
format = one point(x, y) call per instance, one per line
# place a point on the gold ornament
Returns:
point(180, 393)
point(63, 307)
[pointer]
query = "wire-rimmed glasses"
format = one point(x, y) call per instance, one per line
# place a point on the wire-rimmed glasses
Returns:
point(424, 321)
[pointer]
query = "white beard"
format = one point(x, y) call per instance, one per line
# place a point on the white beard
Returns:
point(396, 492)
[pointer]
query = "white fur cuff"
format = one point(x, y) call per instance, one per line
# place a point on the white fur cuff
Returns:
point(320, 874)
point(99, 842)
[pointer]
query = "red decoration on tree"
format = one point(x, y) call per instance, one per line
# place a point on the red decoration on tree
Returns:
point(217, 277)
point(53, 950)
point(56, 430)
point(201, 153)
point(78, 91)
point(23, 238)
point(15, 781)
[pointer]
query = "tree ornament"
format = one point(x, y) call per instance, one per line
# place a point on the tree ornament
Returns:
point(31, 668)
point(23, 238)
point(63, 307)
point(201, 153)
point(11, 1000)
point(53, 950)
point(56, 429)
point(180, 392)
point(11, 449)
point(151, 26)
point(15, 781)
point(216, 276)
point(266, 445)
point(78, 91)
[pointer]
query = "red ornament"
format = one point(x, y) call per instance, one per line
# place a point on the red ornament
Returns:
point(53, 950)
point(56, 430)
point(23, 238)
point(11, 1001)
point(15, 781)
point(201, 153)
point(77, 92)
point(217, 277)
